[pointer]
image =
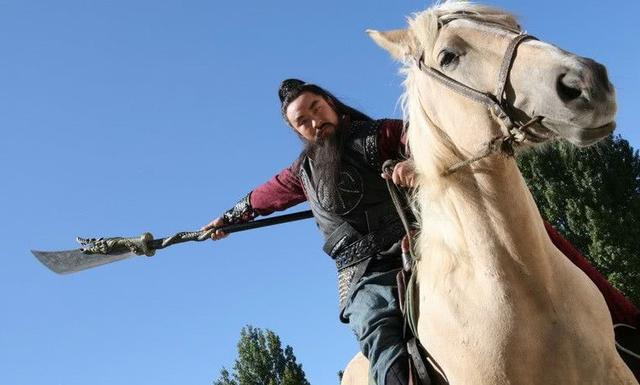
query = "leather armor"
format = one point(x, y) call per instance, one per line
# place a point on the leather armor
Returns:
point(358, 222)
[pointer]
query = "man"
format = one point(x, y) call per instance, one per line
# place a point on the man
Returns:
point(338, 172)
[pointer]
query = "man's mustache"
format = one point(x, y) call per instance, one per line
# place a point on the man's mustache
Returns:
point(322, 128)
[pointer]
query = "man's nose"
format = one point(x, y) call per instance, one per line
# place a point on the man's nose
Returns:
point(317, 123)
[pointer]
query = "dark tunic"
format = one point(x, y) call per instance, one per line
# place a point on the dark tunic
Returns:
point(359, 222)
point(285, 189)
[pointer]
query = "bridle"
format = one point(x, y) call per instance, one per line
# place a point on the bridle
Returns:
point(514, 132)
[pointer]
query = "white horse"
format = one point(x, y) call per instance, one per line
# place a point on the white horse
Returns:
point(498, 303)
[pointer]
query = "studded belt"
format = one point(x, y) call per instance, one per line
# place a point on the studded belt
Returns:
point(366, 246)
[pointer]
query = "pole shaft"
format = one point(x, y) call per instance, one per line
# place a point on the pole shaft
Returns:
point(202, 235)
point(267, 222)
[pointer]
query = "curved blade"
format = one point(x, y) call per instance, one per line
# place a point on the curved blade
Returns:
point(70, 261)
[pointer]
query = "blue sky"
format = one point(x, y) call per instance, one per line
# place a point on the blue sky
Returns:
point(119, 117)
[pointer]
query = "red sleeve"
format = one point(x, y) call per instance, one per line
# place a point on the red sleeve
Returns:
point(392, 140)
point(279, 193)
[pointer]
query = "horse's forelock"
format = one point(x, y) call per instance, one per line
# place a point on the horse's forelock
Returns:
point(425, 24)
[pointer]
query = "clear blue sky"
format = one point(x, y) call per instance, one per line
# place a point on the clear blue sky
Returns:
point(119, 117)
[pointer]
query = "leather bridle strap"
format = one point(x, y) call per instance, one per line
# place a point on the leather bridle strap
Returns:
point(497, 104)
point(505, 68)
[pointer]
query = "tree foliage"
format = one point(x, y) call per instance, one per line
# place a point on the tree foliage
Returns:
point(262, 361)
point(592, 196)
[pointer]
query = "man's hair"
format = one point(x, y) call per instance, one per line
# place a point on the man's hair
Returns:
point(290, 89)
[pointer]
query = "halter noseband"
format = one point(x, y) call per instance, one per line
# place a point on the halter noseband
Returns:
point(513, 133)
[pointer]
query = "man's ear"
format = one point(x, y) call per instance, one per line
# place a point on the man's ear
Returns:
point(399, 43)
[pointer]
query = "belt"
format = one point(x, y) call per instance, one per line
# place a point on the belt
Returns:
point(367, 246)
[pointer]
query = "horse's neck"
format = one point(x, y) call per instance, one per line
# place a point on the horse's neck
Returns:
point(497, 217)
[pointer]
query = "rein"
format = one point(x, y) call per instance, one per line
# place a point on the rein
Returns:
point(420, 364)
point(400, 202)
point(514, 133)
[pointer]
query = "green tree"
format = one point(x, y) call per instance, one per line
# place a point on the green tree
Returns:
point(262, 361)
point(592, 196)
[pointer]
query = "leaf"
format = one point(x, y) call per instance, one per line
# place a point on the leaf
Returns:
point(262, 361)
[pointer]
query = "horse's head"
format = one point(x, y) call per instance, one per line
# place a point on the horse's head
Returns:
point(466, 43)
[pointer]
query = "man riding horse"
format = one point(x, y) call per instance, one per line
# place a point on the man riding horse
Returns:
point(338, 173)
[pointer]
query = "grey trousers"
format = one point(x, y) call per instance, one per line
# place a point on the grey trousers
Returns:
point(374, 316)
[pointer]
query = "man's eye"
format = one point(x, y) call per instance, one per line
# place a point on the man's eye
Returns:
point(447, 58)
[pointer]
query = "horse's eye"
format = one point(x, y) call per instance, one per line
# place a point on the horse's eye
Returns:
point(446, 58)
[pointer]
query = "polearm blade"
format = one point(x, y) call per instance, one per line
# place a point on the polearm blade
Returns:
point(101, 251)
point(70, 261)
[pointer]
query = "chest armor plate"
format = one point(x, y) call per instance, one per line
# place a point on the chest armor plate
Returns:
point(362, 198)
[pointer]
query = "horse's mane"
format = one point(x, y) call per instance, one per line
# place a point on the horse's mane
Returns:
point(434, 151)
point(425, 24)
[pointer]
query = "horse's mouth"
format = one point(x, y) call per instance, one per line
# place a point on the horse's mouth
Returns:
point(538, 133)
point(603, 130)
point(578, 136)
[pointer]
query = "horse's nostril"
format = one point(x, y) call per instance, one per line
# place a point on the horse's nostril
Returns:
point(601, 76)
point(569, 87)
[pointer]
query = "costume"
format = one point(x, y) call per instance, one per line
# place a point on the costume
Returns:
point(361, 229)
point(362, 234)
point(360, 222)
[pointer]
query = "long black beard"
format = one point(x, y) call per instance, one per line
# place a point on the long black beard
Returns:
point(326, 156)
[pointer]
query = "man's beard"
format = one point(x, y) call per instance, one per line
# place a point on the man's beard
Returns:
point(326, 156)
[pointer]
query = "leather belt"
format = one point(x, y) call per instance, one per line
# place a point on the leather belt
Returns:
point(366, 246)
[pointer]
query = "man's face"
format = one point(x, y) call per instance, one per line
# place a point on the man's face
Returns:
point(312, 116)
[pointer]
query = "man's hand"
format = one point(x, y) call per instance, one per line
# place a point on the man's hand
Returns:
point(218, 222)
point(404, 174)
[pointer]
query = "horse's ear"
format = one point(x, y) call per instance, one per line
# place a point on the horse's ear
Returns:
point(398, 42)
